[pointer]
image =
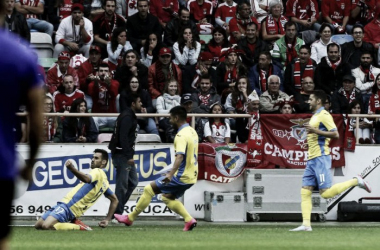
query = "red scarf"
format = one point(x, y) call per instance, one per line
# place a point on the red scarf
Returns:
point(349, 97)
point(369, 77)
point(231, 75)
point(106, 24)
point(204, 99)
point(263, 78)
point(349, 136)
point(291, 51)
point(308, 71)
point(333, 66)
point(276, 27)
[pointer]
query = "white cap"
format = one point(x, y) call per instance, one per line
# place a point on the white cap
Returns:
point(253, 96)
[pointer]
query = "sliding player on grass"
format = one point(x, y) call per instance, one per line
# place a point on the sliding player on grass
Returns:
point(64, 216)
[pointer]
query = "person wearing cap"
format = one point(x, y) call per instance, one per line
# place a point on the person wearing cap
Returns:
point(252, 45)
point(87, 70)
point(365, 76)
point(56, 73)
point(31, 10)
point(162, 71)
point(105, 23)
point(74, 33)
point(345, 95)
point(272, 96)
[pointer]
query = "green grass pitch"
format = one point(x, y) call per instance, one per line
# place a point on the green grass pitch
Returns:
point(232, 236)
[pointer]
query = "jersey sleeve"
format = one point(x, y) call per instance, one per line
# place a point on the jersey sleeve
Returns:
point(328, 122)
point(180, 144)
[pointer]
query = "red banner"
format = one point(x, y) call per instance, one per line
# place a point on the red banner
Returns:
point(285, 140)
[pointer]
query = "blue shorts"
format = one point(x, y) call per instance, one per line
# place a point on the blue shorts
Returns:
point(317, 172)
point(61, 212)
point(174, 187)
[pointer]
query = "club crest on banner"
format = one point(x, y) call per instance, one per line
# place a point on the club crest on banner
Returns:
point(228, 161)
point(298, 132)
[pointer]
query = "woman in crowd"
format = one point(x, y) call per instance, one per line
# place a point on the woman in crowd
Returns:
point(149, 52)
point(79, 129)
point(133, 87)
point(273, 26)
point(217, 130)
point(50, 123)
point(218, 42)
point(319, 47)
point(186, 49)
point(364, 131)
point(117, 47)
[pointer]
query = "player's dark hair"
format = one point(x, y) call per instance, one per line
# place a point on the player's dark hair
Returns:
point(180, 112)
point(321, 95)
point(103, 153)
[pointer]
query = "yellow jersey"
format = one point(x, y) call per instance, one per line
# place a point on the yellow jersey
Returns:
point(186, 143)
point(319, 145)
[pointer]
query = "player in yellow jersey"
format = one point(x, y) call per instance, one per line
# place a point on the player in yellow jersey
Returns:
point(64, 216)
point(320, 130)
point(183, 175)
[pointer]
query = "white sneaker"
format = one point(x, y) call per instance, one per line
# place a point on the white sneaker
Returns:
point(301, 228)
point(114, 221)
point(363, 184)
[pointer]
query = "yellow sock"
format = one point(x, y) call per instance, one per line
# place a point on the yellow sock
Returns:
point(177, 207)
point(339, 188)
point(143, 202)
point(306, 206)
point(66, 226)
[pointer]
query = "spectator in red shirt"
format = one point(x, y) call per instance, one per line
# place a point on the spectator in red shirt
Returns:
point(87, 70)
point(218, 42)
point(239, 23)
point(304, 13)
point(362, 11)
point(337, 13)
point(164, 10)
point(200, 10)
point(66, 94)
point(273, 26)
point(224, 13)
point(372, 29)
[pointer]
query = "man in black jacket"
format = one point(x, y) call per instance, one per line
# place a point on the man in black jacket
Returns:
point(141, 24)
point(345, 95)
point(252, 45)
point(175, 25)
point(352, 51)
point(15, 21)
point(122, 155)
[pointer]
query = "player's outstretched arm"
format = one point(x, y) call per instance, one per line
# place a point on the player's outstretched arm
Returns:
point(111, 210)
point(81, 176)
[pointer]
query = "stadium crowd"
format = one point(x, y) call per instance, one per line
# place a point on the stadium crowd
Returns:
point(208, 56)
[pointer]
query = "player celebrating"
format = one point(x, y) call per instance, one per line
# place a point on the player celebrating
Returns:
point(183, 175)
point(64, 215)
point(320, 130)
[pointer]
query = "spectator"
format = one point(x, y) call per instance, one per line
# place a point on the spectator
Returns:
point(273, 26)
point(259, 73)
point(364, 131)
point(302, 98)
point(149, 52)
point(74, 33)
point(169, 99)
point(50, 123)
point(141, 24)
point(79, 129)
point(218, 42)
point(173, 27)
point(260, 9)
point(352, 51)
point(186, 49)
point(103, 91)
point(126, 8)
point(345, 95)
point(319, 47)
point(224, 13)
point(105, 24)
point(31, 9)
point(371, 30)
point(205, 95)
point(304, 13)
point(286, 48)
point(117, 47)
point(365, 76)
point(252, 45)
point(228, 72)
point(272, 96)
point(56, 73)
point(65, 95)
point(286, 106)
point(336, 13)
point(200, 11)
point(362, 11)
point(217, 130)
point(134, 88)
point(87, 71)
point(164, 10)
point(330, 71)
point(374, 107)
point(162, 71)
point(238, 24)
point(298, 69)
point(15, 21)
point(131, 66)
point(57, 10)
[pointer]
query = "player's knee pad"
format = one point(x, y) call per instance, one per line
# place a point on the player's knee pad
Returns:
point(149, 190)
